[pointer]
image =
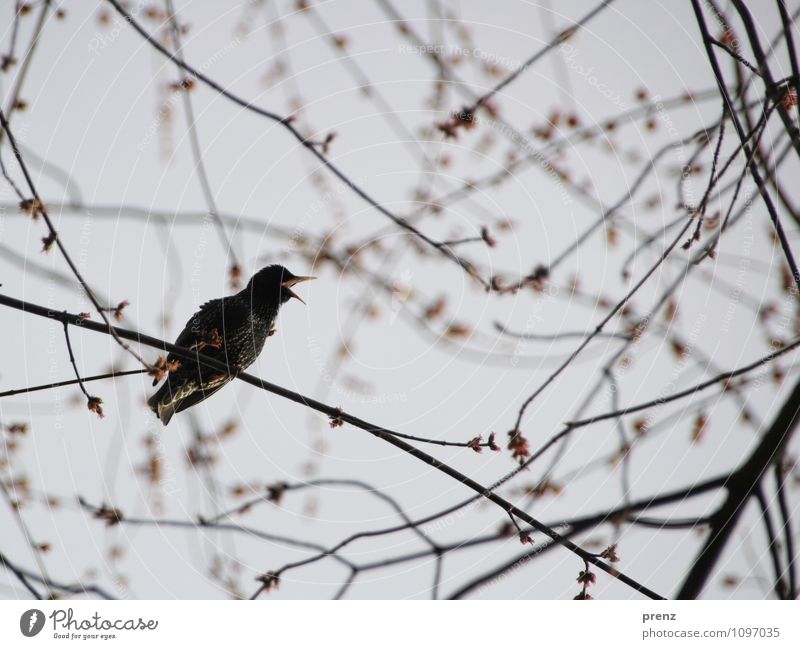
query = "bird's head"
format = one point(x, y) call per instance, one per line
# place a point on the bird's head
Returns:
point(275, 283)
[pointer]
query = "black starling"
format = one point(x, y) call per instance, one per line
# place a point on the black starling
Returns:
point(229, 329)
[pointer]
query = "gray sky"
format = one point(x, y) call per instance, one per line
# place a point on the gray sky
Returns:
point(99, 111)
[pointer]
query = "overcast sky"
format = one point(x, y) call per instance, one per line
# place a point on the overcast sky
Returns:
point(100, 111)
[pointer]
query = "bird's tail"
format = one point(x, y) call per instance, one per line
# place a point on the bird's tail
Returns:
point(165, 401)
point(180, 393)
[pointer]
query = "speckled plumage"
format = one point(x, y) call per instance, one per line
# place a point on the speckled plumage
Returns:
point(230, 329)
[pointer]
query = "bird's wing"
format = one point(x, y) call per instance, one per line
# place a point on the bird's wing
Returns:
point(171, 399)
point(205, 330)
point(195, 330)
point(201, 394)
point(199, 326)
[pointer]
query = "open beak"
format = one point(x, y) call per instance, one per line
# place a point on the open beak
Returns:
point(295, 280)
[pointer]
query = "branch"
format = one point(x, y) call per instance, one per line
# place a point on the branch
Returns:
point(772, 87)
point(61, 384)
point(751, 163)
point(276, 491)
point(558, 40)
point(688, 392)
point(380, 432)
point(94, 403)
point(76, 589)
point(20, 575)
point(579, 525)
point(773, 545)
point(115, 517)
point(743, 483)
point(788, 534)
point(556, 336)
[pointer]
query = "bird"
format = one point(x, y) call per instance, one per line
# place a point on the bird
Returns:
point(230, 329)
